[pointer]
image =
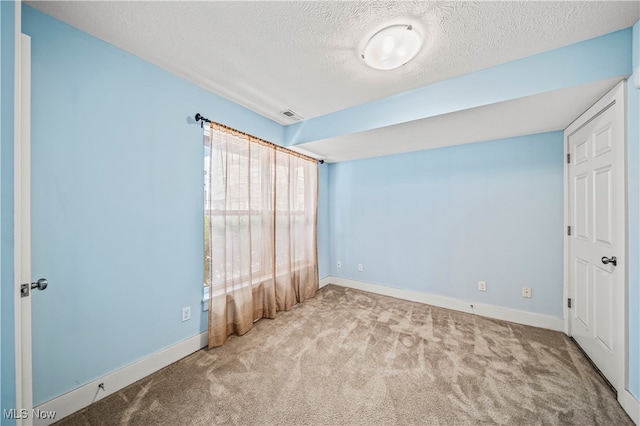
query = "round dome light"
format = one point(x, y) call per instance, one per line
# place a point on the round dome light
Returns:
point(392, 47)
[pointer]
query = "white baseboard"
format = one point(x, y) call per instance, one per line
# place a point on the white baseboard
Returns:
point(325, 281)
point(491, 311)
point(630, 405)
point(87, 394)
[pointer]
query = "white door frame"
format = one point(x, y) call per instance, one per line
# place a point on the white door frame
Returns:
point(22, 224)
point(617, 94)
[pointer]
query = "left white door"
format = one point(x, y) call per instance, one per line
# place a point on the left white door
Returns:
point(22, 217)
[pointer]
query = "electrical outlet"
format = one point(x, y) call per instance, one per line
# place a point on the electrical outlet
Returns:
point(526, 292)
point(482, 285)
point(360, 267)
point(339, 264)
point(186, 313)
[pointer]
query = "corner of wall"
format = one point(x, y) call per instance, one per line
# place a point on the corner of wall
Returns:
point(633, 172)
point(324, 225)
point(635, 56)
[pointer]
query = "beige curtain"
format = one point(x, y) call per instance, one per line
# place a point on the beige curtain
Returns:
point(261, 220)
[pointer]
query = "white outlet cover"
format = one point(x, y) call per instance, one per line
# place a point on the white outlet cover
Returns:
point(482, 285)
point(186, 313)
point(339, 264)
point(360, 267)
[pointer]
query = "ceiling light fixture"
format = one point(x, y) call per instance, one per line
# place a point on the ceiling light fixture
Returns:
point(392, 47)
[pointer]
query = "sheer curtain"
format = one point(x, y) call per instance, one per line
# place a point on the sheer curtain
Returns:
point(261, 221)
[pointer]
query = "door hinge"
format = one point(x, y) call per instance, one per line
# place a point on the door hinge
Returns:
point(568, 158)
point(568, 230)
point(569, 303)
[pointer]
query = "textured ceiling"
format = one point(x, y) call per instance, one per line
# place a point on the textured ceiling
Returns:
point(271, 56)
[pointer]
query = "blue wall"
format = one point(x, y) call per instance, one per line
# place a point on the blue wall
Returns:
point(117, 204)
point(633, 153)
point(438, 221)
point(7, 325)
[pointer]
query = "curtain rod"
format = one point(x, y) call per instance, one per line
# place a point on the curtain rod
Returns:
point(202, 119)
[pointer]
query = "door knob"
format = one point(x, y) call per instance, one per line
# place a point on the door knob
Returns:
point(612, 260)
point(42, 283)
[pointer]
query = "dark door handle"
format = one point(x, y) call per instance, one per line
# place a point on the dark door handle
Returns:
point(612, 260)
point(41, 284)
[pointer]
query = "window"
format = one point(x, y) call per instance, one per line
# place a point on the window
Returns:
point(254, 193)
point(234, 205)
point(206, 204)
point(260, 230)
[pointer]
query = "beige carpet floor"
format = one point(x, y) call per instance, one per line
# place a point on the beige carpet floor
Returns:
point(351, 357)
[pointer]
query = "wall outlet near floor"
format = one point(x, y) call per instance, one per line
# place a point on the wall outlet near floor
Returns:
point(526, 292)
point(186, 313)
point(339, 264)
point(360, 267)
point(482, 285)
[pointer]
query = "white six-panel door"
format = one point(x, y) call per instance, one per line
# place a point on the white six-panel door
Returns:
point(597, 216)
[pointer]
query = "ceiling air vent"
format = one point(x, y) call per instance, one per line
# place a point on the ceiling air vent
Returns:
point(292, 115)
